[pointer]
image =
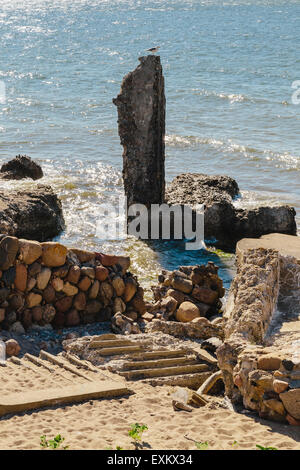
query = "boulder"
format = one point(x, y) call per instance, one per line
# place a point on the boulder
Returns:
point(54, 254)
point(8, 251)
point(291, 401)
point(74, 274)
point(80, 301)
point(12, 348)
point(33, 299)
point(43, 278)
point(21, 277)
point(187, 312)
point(21, 167)
point(182, 284)
point(130, 289)
point(101, 273)
point(85, 284)
point(94, 290)
point(48, 313)
point(17, 328)
point(118, 285)
point(64, 304)
point(69, 289)
point(72, 318)
point(32, 215)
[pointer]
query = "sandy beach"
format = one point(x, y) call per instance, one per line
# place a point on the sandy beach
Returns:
point(103, 424)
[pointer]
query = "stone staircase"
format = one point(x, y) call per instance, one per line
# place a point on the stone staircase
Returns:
point(136, 361)
point(36, 382)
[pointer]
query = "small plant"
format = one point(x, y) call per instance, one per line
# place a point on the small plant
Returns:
point(235, 443)
point(117, 448)
point(53, 444)
point(201, 445)
point(265, 448)
point(136, 431)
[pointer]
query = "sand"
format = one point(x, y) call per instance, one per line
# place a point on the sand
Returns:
point(105, 423)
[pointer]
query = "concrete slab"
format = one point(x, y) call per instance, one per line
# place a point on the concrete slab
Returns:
point(18, 402)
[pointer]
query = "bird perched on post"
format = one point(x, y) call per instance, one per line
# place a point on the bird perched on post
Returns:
point(153, 49)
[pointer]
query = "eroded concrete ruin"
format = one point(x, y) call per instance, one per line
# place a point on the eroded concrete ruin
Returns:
point(260, 357)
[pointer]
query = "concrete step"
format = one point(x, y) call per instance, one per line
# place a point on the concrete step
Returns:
point(160, 354)
point(160, 372)
point(160, 363)
point(59, 361)
point(35, 399)
point(193, 381)
point(120, 350)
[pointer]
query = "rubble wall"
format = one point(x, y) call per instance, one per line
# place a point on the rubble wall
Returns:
point(46, 283)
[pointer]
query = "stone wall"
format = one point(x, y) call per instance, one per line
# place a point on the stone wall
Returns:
point(260, 357)
point(46, 282)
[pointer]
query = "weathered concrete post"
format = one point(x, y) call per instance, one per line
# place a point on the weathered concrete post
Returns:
point(141, 119)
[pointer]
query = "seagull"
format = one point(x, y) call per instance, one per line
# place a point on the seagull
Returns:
point(153, 49)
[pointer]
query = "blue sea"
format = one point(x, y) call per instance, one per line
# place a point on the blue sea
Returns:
point(229, 67)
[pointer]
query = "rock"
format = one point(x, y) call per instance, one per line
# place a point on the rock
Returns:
point(27, 318)
point(21, 277)
point(106, 292)
point(10, 318)
point(111, 260)
point(4, 293)
point(9, 276)
point(35, 268)
point(21, 167)
point(280, 386)
point(146, 316)
point(17, 328)
point(94, 290)
point(292, 421)
point(83, 256)
point(32, 215)
point(48, 313)
point(33, 299)
point(37, 314)
point(275, 405)
point(119, 305)
point(93, 307)
point(59, 320)
point(69, 289)
point(118, 285)
point(54, 254)
point(101, 273)
point(64, 304)
point(80, 301)
point(61, 271)
point(2, 314)
point(291, 401)
point(183, 285)
point(8, 251)
point(43, 278)
point(29, 251)
point(176, 294)
point(169, 303)
point(132, 315)
point(57, 284)
point(12, 347)
point(187, 312)
point(222, 220)
point(31, 283)
point(85, 284)
point(16, 302)
point(269, 362)
point(130, 289)
point(205, 295)
point(141, 120)
point(49, 294)
point(88, 271)
point(74, 274)
point(72, 319)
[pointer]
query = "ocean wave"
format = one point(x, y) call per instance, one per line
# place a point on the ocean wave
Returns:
point(280, 159)
point(231, 97)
